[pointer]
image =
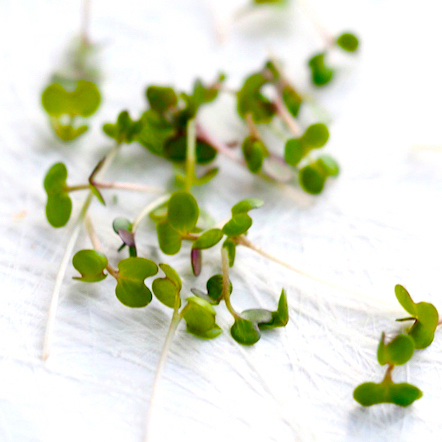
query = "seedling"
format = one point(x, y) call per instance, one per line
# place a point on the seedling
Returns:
point(398, 352)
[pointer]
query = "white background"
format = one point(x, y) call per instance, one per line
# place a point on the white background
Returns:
point(377, 225)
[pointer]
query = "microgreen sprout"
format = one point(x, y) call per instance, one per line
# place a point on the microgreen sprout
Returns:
point(398, 352)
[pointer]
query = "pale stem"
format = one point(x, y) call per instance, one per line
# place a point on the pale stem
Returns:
point(325, 35)
point(289, 121)
point(96, 243)
point(226, 282)
point(245, 242)
point(217, 145)
point(190, 154)
point(145, 212)
point(65, 259)
point(59, 278)
point(85, 22)
point(176, 318)
point(117, 185)
point(252, 127)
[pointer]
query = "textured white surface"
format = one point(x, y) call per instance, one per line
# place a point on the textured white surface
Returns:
point(377, 225)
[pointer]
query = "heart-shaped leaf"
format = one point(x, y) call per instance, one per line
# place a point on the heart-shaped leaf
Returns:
point(167, 289)
point(182, 211)
point(131, 290)
point(200, 318)
point(90, 264)
point(348, 42)
point(168, 238)
point(397, 352)
point(245, 332)
point(161, 98)
point(208, 239)
point(59, 204)
point(425, 315)
point(402, 394)
point(315, 136)
point(312, 178)
point(238, 225)
point(254, 152)
point(294, 151)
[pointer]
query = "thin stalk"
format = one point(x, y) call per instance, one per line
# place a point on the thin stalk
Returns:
point(252, 127)
point(226, 283)
point(145, 212)
point(387, 377)
point(242, 240)
point(190, 154)
point(117, 185)
point(96, 243)
point(176, 318)
point(55, 296)
point(86, 9)
point(286, 117)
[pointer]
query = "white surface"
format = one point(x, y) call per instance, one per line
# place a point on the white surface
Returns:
point(377, 225)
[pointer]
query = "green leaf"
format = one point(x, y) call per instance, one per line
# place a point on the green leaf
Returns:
point(200, 318)
point(348, 42)
point(155, 131)
point(182, 211)
point(238, 225)
point(58, 209)
point(125, 130)
point(230, 246)
point(59, 204)
point(215, 288)
point(245, 332)
point(405, 300)
point(206, 177)
point(245, 206)
point(397, 352)
point(280, 317)
point(168, 238)
point(55, 100)
point(175, 149)
point(292, 100)
point(251, 101)
point(294, 151)
point(68, 132)
point(208, 239)
point(161, 98)
point(312, 179)
point(315, 136)
point(90, 264)
point(85, 99)
point(402, 394)
point(328, 165)
point(55, 179)
point(426, 317)
point(166, 291)
point(254, 152)
point(131, 290)
point(320, 73)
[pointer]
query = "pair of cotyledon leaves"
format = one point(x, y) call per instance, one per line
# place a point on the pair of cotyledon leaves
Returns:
point(132, 291)
point(163, 130)
point(252, 101)
point(312, 176)
point(399, 351)
point(82, 101)
point(321, 74)
point(59, 203)
point(179, 222)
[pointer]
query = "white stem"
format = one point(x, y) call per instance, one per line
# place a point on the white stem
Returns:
point(59, 279)
point(145, 212)
point(160, 367)
point(129, 186)
point(55, 296)
point(245, 242)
